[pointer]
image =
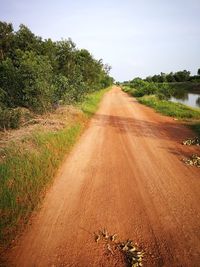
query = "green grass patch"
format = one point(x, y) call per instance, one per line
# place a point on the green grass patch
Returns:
point(26, 170)
point(25, 173)
point(165, 107)
point(90, 104)
point(129, 90)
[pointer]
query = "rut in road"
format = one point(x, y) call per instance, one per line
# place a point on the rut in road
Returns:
point(126, 175)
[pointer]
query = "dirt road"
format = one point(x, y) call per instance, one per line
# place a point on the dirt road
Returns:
point(124, 174)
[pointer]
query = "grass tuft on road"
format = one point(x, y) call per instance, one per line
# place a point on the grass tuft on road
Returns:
point(27, 170)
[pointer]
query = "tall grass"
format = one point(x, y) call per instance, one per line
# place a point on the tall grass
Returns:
point(27, 170)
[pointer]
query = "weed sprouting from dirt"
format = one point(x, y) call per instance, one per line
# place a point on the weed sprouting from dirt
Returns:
point(194, 160)
point(132, 255)
point(192, 141)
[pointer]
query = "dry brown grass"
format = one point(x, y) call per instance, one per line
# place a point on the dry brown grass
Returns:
point(53, 122)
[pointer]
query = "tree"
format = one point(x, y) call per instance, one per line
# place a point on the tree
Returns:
point(198, 71)
point(182, 76)
point(170, 77)
point(6, 39)
point(36, 73)
point(49, 49)
point(65, 57)
point(9, 83)
point(25, 40)
point(36, 82)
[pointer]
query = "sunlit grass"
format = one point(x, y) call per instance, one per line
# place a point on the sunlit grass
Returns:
point(90, 105)
point(25, 173)
point(172, 109)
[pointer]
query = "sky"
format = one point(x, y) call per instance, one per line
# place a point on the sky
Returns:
point(138, 38)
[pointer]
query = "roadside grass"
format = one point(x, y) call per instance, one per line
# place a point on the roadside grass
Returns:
point(90, 104)
point(27, 170)
point(128, 90)
point(165, 107)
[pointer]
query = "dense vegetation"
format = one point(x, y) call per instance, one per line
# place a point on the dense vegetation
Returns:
point(173, 77)
point(40, 74)
point(139, 88)
point(163, 85)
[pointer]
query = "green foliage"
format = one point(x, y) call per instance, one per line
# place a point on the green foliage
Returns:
point(164, 91)
point(6, 39)
point(182, 76)
point(9, 118)
point(25, 40)
point(9, 83)
point(140, 88)
point(36, 82)
point(38, 74)
point(26, 173)
point(90, 104)
point(61, 87)
point(179, 76)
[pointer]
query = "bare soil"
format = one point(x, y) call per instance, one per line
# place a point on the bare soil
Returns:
point(126, 175)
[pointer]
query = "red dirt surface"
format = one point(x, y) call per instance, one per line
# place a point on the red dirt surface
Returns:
point(126, 175)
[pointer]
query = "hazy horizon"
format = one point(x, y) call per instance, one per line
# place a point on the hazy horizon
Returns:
point(137, 38)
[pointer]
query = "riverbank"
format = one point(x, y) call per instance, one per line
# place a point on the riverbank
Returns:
point(172, 109)
point(176, 110)
point(29, 164)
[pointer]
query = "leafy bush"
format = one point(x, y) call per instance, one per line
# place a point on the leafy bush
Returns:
point(164, 91)
point(140, 88)
point(37, 74)
point(9, 83)
point(10, 118)
point(36, 82)
point(144, 88)
point(28, 82)
point(61, 86)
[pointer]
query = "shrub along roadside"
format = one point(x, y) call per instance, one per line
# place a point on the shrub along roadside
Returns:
point(26, 173)
point(139, 88)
